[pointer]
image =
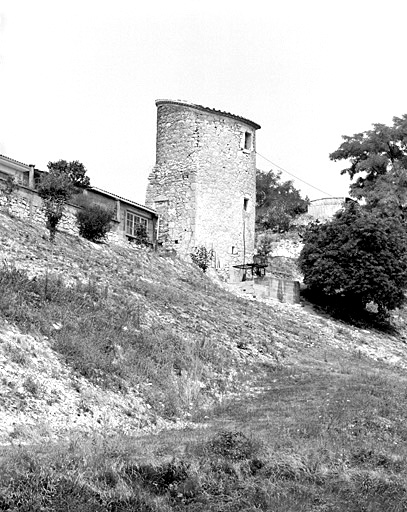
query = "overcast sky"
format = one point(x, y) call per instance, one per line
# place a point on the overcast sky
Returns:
point(79, 79)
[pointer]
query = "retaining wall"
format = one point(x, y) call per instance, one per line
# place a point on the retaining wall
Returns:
point(25, 203)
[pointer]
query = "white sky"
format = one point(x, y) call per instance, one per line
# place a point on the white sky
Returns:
point(78, 79)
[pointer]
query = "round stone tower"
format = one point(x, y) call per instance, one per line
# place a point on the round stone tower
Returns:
point(203, 185)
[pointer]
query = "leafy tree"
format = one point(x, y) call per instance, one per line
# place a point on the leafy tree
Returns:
point(74, 170)
point(378, 158)
point(277, 203)
point(94, 222)
point(357, 258)
point(55, 189)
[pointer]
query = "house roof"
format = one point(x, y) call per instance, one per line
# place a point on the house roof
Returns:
point(14, 161)
point(210, 110)
point(119, 198)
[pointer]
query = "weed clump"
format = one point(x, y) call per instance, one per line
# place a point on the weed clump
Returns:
point(202, 257)
point(234, 446)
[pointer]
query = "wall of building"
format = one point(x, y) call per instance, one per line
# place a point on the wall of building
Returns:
point(25, 203)
point(18, 170)
point(171, 190)
point(203, 185)
point(324, 209)
point(119, 209)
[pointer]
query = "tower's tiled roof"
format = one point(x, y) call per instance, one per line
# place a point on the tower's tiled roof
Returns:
point(210, 110)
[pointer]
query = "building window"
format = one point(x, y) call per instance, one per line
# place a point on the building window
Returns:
point(248, 136)
point(134, 223)
point(245, 204)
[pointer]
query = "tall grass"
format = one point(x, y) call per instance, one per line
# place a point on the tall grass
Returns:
point(102, 335)
point(323, 431)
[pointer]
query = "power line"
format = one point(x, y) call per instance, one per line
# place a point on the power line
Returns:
point(293, 175)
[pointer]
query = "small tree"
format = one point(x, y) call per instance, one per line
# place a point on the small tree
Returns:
point(277, 203)
point(94, 222)
point(202, 257)
point(357, 258)
point(55, 189)
point(9, 187)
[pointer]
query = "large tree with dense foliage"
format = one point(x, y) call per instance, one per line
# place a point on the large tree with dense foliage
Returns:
point(357, 258)
point(378, 160)
point(277, 202)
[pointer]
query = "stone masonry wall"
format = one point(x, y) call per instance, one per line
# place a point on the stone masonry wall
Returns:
point(325, 209)
point(226, 190)
point(26, 204)
point(172, 184)
point(203, 185)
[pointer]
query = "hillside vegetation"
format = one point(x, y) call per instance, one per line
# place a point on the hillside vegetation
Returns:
point(129, 380)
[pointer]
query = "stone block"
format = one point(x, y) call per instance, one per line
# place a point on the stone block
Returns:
point(284, 290)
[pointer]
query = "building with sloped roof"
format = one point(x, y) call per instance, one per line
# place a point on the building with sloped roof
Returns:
point(127, 215)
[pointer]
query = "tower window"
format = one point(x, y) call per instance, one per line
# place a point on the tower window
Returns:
point(245, 204)
point(248, 136)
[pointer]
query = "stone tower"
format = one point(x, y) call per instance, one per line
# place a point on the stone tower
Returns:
point(203, 185)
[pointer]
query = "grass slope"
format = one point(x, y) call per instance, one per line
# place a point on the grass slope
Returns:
point(274, 407)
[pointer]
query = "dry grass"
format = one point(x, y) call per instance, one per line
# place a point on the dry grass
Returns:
point(314, 423)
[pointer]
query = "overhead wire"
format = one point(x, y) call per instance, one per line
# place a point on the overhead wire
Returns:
point(293, 175)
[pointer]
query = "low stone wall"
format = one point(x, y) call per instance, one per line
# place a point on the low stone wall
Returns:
point(25, 203)
point(284, 290)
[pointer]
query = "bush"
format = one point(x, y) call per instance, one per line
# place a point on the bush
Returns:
point(141, 236)
point(358, 258)
point(94, 222)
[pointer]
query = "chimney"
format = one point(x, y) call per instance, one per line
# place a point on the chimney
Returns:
point(31, 182)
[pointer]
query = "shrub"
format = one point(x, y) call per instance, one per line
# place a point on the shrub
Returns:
point(202, 257)
point(94, 222)
point(357, 258)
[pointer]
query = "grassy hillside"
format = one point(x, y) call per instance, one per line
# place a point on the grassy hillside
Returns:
point(131, 381)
